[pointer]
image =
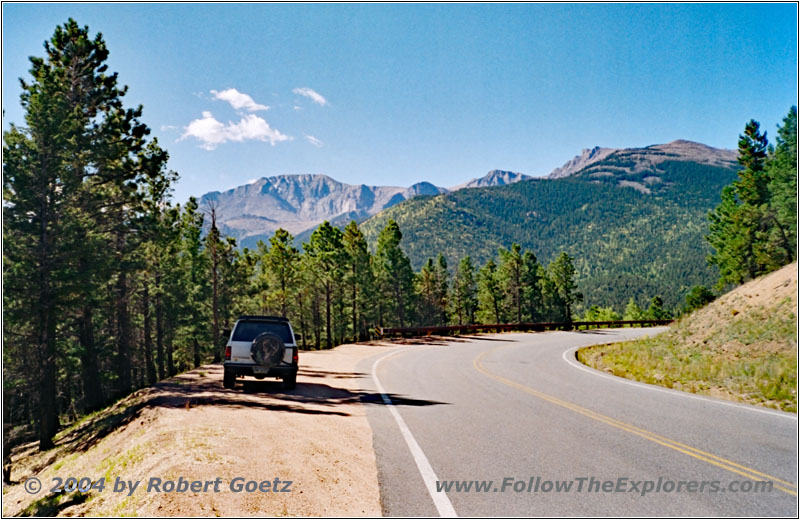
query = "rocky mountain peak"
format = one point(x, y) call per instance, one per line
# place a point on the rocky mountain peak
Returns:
point(678, 150)
point(579, 162)
point(493, 178)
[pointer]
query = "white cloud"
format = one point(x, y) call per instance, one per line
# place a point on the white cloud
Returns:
point(167, 128)
point(313, 140)
point(314, 96)
point(238, 100)
point(211, 133)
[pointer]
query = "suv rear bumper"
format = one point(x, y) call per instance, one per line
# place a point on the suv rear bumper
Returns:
point(247, 370)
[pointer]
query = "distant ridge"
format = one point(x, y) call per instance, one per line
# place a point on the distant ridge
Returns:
point(648, 157)
point(299, 203)
point(493, 178)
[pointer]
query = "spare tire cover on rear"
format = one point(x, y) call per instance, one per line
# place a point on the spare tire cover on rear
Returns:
point(267, 349)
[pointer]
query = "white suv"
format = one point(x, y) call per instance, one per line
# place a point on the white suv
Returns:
point(261, 346)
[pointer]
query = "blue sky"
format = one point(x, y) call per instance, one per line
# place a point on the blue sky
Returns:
point(400, 93)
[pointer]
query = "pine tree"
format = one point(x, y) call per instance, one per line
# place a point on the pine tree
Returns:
point(782, 185)
point(490, 294)
point(748, 230)
point(325, 250)
point(262, 279)
point(428, 294)
point(281, 263)
point(70, 195)
point(463, 299)
point(213, 249)
point(656, 311)
point(169, 287)
point(532, 287)
point(195, 287)
point(442, 276)
point(731, 239)
point(359, 279)
point(511, 271)
point(154, 236)
point(394, 278)
point(561, 272)
point(310, 300)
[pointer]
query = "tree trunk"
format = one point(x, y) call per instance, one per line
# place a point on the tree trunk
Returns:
point(171, 370)
point(328, 290)
point(302, 321)
point(123, 337)
point(196, 350)
point(215, 292)
point(48, 424)
point(316, 320)
point(341, 317)
point(401, 311)
point(283, 295)
point(784, 239)
point(92, 390)
point(148, 339)
point(162, 368)
point(355, 305)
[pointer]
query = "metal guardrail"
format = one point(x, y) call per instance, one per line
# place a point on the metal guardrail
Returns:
point(447, 330)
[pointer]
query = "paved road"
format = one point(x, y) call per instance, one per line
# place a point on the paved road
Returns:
point(520, 406)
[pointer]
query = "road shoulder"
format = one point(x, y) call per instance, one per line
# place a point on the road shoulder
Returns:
point(316, 436)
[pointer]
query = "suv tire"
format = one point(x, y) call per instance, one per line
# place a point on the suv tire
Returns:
point(267, 349)
point(229, 380)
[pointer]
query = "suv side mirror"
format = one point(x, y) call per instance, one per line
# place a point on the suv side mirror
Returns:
point(298, 337)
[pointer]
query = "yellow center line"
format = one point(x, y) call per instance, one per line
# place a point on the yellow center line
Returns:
point(653, 437)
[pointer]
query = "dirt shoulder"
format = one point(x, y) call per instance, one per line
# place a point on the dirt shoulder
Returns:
point(741, 347)
point(316, 436)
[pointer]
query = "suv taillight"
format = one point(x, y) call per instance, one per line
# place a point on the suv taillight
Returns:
point(295, 356)
point(228, 352)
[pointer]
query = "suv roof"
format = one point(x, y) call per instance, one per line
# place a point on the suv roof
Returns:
point(263, 318)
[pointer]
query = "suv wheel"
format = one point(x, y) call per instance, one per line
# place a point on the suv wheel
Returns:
point(289, 382)
point(229, 380)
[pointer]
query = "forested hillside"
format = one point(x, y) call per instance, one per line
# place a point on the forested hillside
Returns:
point(633, 232)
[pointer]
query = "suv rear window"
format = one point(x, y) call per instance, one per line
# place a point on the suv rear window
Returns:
point(248, 330)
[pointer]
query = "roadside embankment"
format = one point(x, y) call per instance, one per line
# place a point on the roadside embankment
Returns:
point(316, 436)
point(741, 347)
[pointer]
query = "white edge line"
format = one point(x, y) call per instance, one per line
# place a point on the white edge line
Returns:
point(440, 500)
point(569, 357)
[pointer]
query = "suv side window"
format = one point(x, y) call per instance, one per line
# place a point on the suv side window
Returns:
point(248, 330)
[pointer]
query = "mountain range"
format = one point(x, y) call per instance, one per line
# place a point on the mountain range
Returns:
point(632, 218)
point(299, 203)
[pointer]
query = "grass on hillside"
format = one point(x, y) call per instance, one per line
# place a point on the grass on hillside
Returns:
point(753, 359)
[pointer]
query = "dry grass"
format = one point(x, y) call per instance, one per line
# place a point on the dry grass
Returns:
point(742, 347)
